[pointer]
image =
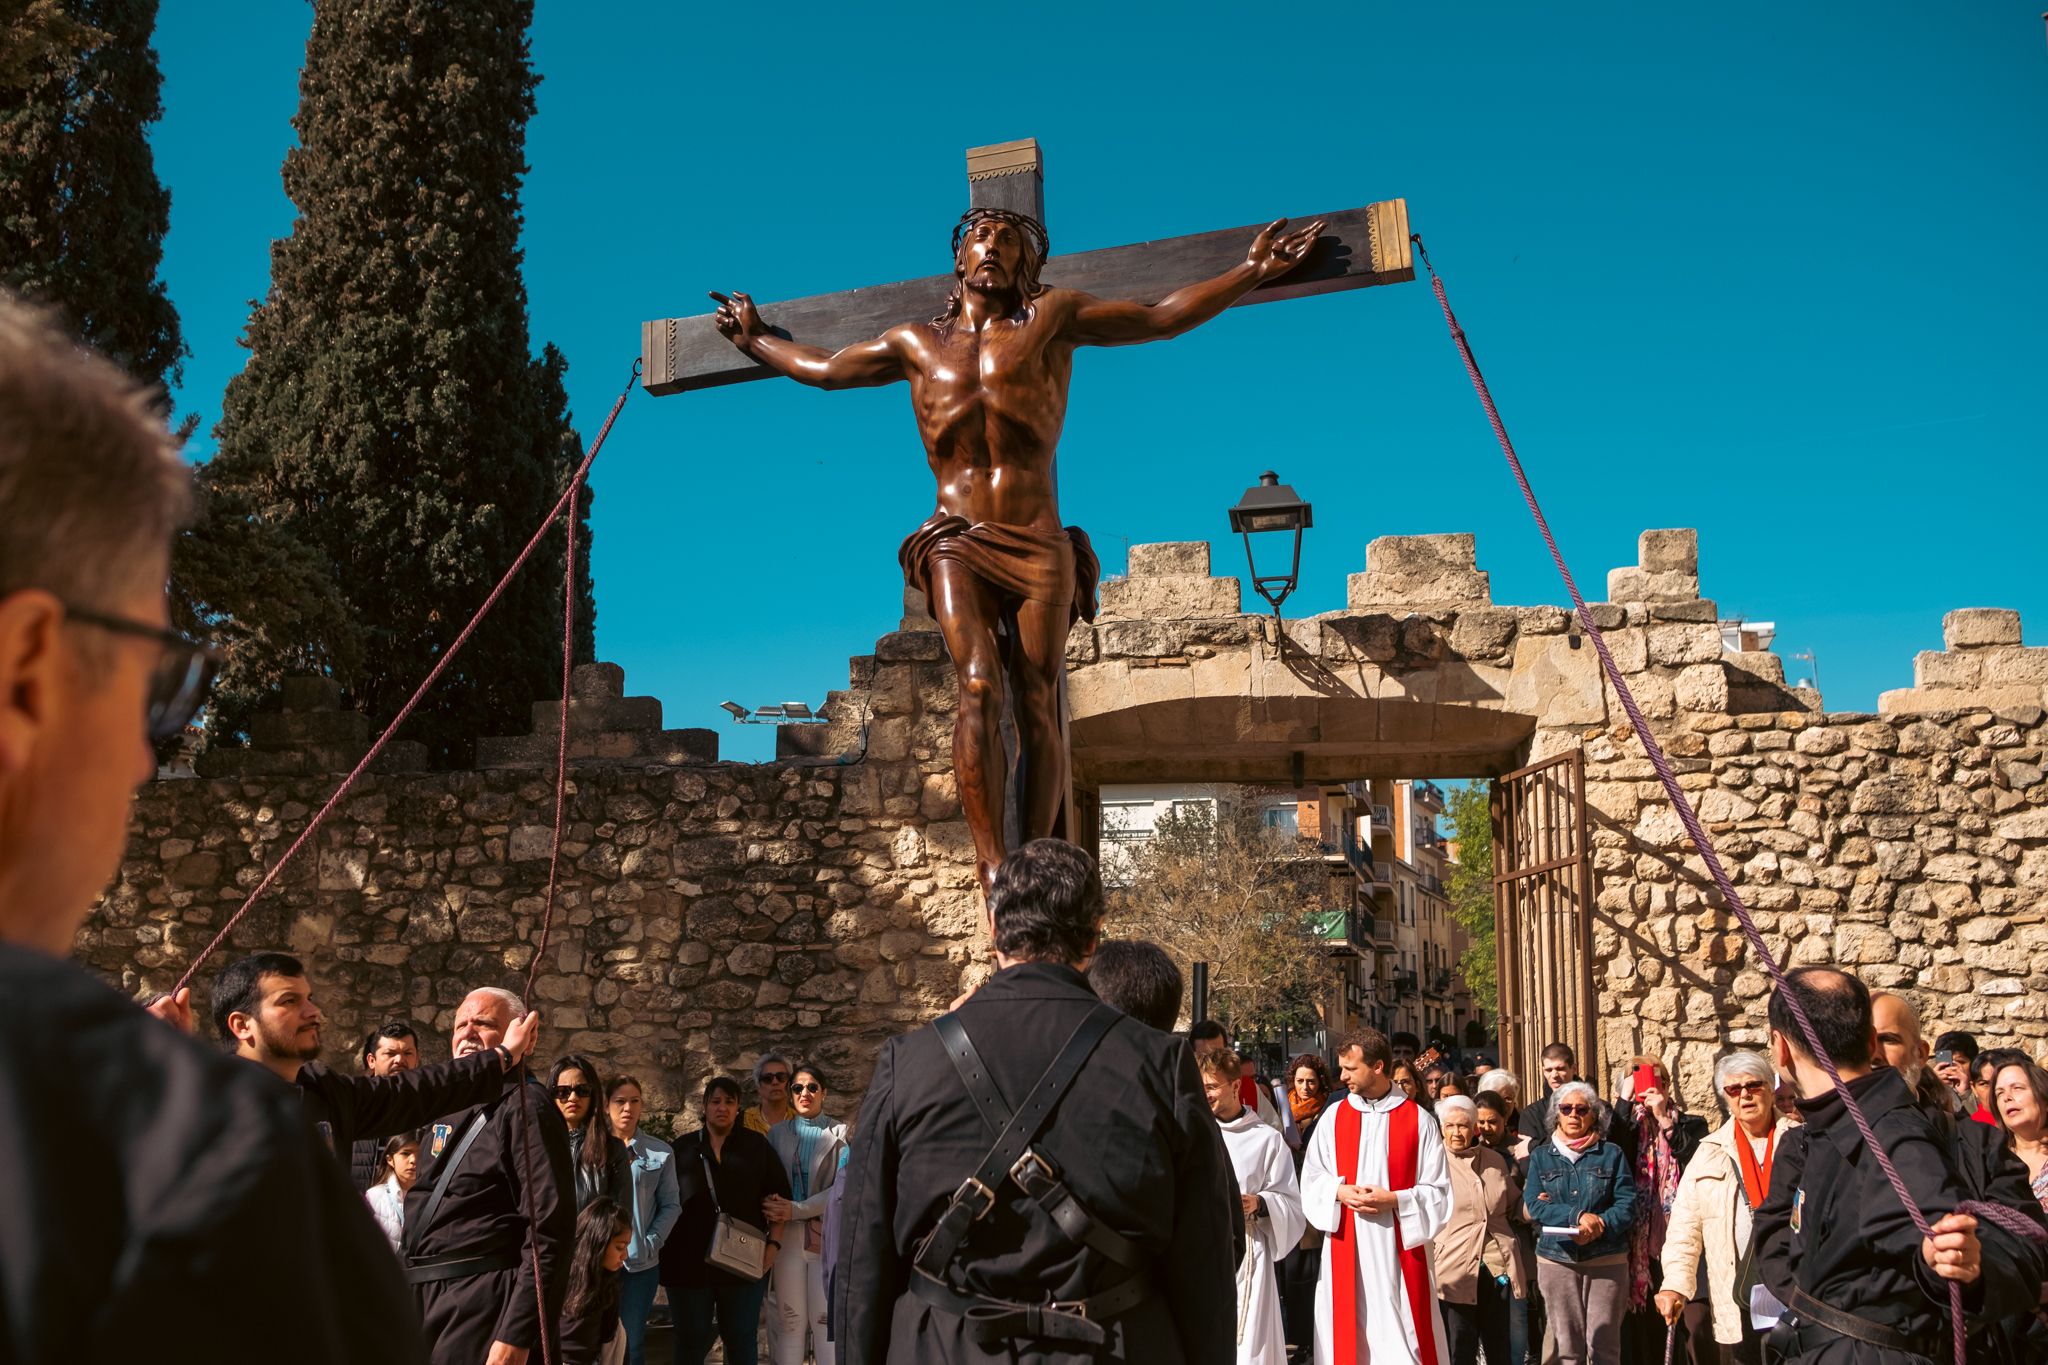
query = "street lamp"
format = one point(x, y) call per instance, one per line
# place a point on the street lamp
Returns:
point(1271, 506)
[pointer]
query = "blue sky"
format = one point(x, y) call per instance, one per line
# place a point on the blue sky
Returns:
point(1774, 272)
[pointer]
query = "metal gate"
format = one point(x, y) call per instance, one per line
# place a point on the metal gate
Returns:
point(1543, 916)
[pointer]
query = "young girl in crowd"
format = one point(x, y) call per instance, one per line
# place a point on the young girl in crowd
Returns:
point(401, 1166)
point(590, 1311)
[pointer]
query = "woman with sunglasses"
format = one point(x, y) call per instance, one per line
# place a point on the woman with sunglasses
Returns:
point(603, 1167)
point(1581, 1199)
point(1708, 1269)
point(811, 1148)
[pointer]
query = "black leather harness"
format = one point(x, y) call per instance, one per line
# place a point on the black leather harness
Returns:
point(991, 1320)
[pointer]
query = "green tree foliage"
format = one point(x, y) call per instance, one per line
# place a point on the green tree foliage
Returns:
point(1472, 890)
point(1226, 890)
point(393, 433)
point(82, 214)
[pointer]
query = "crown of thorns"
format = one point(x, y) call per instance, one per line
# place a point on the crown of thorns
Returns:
point(1023, 222)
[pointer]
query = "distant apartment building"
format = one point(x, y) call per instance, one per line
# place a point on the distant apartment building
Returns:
point(1393, 943)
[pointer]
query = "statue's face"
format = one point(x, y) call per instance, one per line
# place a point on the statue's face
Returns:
point(991, 256)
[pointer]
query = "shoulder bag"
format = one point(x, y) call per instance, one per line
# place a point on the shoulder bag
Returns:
point(738, 1248)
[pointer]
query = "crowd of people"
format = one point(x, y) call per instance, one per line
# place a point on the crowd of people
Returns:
point(1046, 1173)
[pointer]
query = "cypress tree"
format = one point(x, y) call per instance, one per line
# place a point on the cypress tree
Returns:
point(82, 214)
point(392, 428)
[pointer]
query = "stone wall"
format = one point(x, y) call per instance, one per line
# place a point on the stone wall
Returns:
point(707, 910)
point(826, 900)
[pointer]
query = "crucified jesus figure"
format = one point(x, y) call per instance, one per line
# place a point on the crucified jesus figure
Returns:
point(988, 383)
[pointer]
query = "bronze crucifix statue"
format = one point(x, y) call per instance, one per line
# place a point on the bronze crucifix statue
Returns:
point(988, 384)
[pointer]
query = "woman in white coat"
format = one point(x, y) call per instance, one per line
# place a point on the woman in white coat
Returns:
point(1272, 1211)
point(811, 1148)
point(1707, 1239)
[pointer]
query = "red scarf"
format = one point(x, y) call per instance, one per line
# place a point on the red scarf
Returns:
point(1403, 1152)
point(1248, 1092)
point(1756, 1179)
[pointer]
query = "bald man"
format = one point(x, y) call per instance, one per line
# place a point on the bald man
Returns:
point(1901, 1046)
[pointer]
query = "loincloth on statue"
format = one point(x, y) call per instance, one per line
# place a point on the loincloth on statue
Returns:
point(1039, 566)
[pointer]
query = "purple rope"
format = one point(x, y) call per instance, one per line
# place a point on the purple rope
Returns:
point(2005, 1218)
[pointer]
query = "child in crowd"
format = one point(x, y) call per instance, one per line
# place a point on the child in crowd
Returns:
point(590, 1312)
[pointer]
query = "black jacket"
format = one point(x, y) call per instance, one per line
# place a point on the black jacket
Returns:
point(148, 1182)
point(1832, 1227)
point(484, 1212)
point(748, 1171)
point(1137, 1146)
point(615, 1182)
point(344, 1109)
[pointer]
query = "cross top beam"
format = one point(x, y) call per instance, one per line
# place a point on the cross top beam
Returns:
point(1359, 248)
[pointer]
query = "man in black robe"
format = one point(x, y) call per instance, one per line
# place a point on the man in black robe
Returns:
point(1834, 1243)
point(470, 1249)
point(162, 1202)
point(1131, 1140)
point(263, 1007)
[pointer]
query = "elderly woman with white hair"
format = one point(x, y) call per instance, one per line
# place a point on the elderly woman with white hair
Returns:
point(1582, 1200)
point(1479, 1268)
point(1708, 1266)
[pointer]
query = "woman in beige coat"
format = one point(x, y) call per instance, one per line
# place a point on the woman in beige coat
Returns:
point(1478, 1259)
point(1709, 1229)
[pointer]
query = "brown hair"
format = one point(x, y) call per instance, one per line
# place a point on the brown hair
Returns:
point(91, 487)
point(1036, 247)
point(1371, 1044)
point(1221, 1063)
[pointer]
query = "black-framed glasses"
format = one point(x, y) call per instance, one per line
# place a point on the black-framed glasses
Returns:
point(775, 1078)
point(184, 671)
point(1574, 1109)
point(572, 1092)
point(807, 1088)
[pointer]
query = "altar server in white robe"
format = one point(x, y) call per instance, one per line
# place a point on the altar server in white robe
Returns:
point(1376, 1180)
point(1271, 1200)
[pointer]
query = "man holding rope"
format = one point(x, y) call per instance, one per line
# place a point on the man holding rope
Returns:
point(1834, 1243)
point(149, 1179)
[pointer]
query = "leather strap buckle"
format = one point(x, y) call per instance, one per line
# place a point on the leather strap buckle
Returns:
point(970, 1189)
point(1031, 1170)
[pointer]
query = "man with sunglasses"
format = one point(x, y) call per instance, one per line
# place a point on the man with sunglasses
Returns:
point(146, 1175)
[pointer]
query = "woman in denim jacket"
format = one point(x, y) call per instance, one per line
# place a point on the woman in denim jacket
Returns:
point(1581, 1199)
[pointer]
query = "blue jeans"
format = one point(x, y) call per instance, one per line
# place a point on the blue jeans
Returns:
point(729, 1313)
point(636, 1298)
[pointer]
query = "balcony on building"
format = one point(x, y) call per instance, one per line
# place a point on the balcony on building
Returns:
point(1429, 796)
point(1347, 932)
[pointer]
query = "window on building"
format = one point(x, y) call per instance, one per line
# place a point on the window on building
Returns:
point(1285, 819)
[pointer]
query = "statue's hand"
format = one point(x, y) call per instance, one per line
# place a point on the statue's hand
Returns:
point(1275, 251)
point(736, 319)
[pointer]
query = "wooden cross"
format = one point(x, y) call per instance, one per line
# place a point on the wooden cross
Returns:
point(1359, 248)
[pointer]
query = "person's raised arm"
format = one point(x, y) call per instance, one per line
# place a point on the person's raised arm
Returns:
point(863, 365)
point(1114, 322)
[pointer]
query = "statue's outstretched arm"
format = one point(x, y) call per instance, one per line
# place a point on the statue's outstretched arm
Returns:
point(864, 364)
point(1118, 322)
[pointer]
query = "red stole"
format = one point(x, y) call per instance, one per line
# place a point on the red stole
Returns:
point(1404, 1149)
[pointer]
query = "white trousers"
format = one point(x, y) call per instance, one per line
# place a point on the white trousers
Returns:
point(799, 1306)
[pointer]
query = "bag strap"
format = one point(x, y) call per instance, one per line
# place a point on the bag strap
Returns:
point(1011, 1154)
point(710, 1177)
point(413, 1231)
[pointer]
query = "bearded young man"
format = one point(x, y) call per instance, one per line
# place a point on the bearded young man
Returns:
point(163, 1202)
point(263, 1007)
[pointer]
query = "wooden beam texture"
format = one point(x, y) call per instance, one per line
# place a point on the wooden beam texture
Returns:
point(1359, 248)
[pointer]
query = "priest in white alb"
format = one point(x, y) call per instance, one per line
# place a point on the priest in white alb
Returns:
point(1376, 1180)
point(1270, 1200)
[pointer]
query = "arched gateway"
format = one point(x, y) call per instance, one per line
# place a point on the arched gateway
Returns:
point(826, 900)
